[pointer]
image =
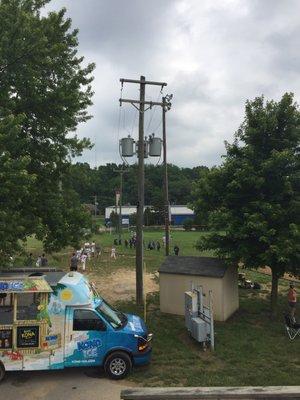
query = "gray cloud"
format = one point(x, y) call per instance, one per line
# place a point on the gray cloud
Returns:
point(214, 56)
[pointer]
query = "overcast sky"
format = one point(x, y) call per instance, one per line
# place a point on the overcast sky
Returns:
point(214, 54)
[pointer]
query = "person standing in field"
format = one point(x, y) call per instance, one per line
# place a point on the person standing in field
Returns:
point(93, 249)
point(44, 261)
point(74, 263)
point(83, 261)
point(30, 260)
point(292, 300)
point(113, 253)
point(38, 261)
point(98, 250)
point(176, 250)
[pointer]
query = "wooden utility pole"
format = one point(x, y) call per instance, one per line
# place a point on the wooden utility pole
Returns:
point(140, 204)
point(166, 189)
point(121, 172)
point(95, 205)
point(141, 180)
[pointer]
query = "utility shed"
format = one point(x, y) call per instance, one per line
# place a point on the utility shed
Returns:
point(175, 277)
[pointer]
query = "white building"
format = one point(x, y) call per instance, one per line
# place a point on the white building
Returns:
point(178, 213)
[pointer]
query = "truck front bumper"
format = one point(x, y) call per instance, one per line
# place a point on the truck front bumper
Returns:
point(142, 358)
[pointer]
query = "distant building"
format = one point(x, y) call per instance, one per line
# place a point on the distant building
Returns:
point(177, 273)
point(178, 213)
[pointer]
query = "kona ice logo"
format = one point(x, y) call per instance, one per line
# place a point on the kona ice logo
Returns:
point(89, 348)
point(12, 286)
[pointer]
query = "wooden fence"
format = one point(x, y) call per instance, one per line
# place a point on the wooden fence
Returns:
point(213, 393)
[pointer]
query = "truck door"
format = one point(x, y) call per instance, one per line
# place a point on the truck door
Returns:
point(85, 337)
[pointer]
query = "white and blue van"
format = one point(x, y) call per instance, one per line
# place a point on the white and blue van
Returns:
point(59, 320)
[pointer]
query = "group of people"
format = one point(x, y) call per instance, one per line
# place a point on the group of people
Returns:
point(132, 241)
point(81, 256)
point(41, 261)
point(153, 245)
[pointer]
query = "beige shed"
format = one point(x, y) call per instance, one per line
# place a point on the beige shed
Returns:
point(177, 273)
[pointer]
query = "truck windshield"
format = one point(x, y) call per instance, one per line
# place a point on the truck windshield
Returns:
point(114, 317)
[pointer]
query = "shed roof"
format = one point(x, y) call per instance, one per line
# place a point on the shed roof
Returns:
point(191, 265)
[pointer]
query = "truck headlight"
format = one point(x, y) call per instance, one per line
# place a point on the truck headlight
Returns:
point(143, 343)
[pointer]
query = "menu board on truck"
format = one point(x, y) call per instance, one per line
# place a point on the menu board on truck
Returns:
point(28, 336)
point(5, 338)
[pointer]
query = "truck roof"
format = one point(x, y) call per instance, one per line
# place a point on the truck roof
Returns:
point(74, 288)
point(51, 277)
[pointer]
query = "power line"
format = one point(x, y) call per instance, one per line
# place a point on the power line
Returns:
point(153, 112)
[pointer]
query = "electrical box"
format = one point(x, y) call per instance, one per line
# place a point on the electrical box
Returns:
point(127, 145)
point(155, 145)
point(199, 331)
point(199, 317)
point(191, 308)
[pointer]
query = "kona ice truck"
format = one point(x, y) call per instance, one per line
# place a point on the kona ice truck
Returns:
point(59, 320)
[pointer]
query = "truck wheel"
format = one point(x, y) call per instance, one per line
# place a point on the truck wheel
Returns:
point(2, 371)
point(118, 365)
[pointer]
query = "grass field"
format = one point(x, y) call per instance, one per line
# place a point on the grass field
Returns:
point(125, 256)
point(251, 349)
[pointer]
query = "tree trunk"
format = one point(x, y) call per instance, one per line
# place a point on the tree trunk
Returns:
point(274, 293)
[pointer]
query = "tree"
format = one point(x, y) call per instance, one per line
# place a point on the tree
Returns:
point(114, 220)
point(188, 224)
point(16, 185)
point(253, 198)
point(149, 217)
point(44, 95)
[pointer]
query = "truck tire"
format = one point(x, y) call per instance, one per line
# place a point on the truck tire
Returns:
point(118, 365)
point(2, 372)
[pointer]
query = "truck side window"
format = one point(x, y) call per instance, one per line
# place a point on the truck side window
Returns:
point(27, 308)
point(6, 310)
point(87, 320)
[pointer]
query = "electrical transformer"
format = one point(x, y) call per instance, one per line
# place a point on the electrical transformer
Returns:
point(127, 145)
point(155, 145)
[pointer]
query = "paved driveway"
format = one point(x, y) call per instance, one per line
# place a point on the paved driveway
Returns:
point(69, 384)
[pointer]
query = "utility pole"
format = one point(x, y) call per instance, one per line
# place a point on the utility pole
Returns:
point(141, 179)
point(166, 189)
point(121, 172)
point(140, 204)
point(95, 202)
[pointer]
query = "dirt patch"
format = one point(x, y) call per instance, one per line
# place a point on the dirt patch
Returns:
point(120, 285)
point(287, 276)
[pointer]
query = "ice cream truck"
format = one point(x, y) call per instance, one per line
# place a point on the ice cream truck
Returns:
point(58, 320)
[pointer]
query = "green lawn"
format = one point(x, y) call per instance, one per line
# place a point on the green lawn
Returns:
point(251, 349)
point(125, 256)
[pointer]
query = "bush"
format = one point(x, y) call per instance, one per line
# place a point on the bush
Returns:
point(188, 224)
